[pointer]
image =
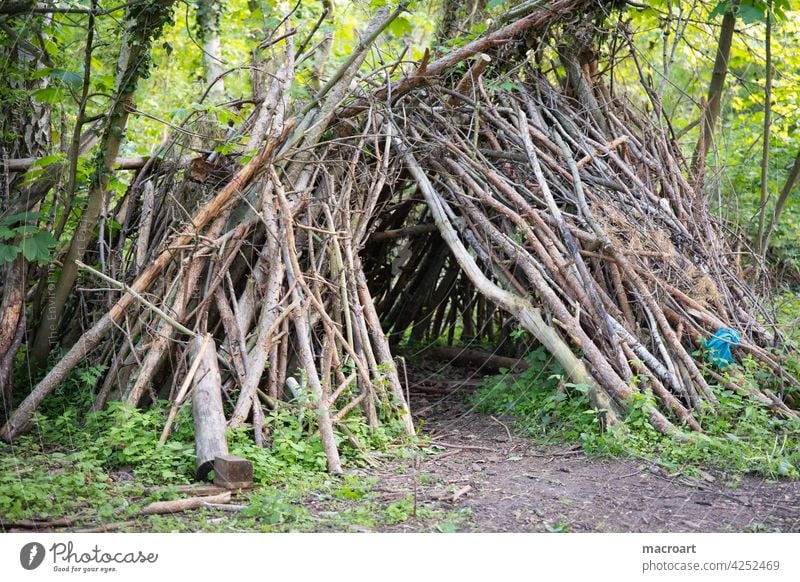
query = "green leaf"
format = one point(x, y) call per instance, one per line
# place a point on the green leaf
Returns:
point(116, 185)
point(400, 26)
point(51, 47)
point(23, 217)
point(69, 78)
point(113, 225)
point(6, 233)
point(8, 253)
point(225, 148)
point(41, 73)
point(225, 116)
point(495, 4)
point(103, 83)
point(106, 510)
point(32, 175)
point(26, 229)
point(751, 14)
point(720, 9)
point(48, 95)
point(36, 248)
point(47, 160)
point(779, 8)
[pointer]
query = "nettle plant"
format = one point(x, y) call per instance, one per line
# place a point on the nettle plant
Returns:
point(19, 234)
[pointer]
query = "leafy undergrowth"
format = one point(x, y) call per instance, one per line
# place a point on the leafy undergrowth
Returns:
point(740, 436)
point(106, 466)
point(318, 503)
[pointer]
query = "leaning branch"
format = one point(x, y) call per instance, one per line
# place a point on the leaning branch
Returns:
point(19, 421)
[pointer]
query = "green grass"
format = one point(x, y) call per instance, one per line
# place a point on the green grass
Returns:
point(547, 407)
point(740, 436)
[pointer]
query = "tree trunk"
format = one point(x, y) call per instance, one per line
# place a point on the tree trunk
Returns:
point(788, 186)
point(485, 361)
point(133, 64)
point(762, 210)
point(208, 17)
point(715, 88)
point(25, 127)
point(12, 325)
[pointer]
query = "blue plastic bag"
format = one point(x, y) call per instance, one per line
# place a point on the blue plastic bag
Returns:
point(719, 347)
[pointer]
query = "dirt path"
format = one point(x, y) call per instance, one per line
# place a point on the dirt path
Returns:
point(510, 485)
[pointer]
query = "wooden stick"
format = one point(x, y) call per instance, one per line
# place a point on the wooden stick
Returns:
point(121, 163)
point(138, 298)
point(465, 85)
point(427, 71)
point(407, 231)
point(196, 490)
point(179, 505)
point(529, 316)
point(479, 358)
point(89, 340)
point(612, 145)
point(184, 389)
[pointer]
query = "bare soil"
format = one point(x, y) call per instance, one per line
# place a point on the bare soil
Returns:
point(509, 484)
